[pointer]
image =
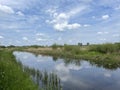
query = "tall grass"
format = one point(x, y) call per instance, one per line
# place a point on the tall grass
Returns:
point(11, 74)
point(45, 81)
point(15, 76)
point(104, 55)
point(105, 48)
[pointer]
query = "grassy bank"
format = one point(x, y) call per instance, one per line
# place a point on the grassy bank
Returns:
point(11, 75)
point(103, 51)
point(105, 55)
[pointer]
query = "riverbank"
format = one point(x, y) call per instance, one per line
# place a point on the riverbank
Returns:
point(106, 55)
point(103, 55)
point(96, 52)
point(15, 76)
point(12, 76)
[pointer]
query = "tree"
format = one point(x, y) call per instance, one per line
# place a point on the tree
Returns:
point(79, 44)
point(54, 46)
point(88, 43)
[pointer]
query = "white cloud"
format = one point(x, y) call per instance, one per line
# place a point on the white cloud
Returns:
point(19, 13)
point(40, 39)
point(76, 10)
point(105, 17)
point(107, 75)
point(60, 21)
point(40, 34)
point(52, 11)
point(101, 33)
point(65, 75)
point(25, 38)
point(19, 4)
point(63, 26)
point(74, 67)
point(86, 25)
point(94, 17)
point(6, 9)
point(1, 37)
point(105, 32)
point(103, 39)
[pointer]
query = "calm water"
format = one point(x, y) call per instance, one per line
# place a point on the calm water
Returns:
point(74, 74)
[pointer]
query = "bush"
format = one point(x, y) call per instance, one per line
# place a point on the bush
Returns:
point(55, 46)
point(67, 47)
point(72, 49)
point(2, 47)
point(105, 48)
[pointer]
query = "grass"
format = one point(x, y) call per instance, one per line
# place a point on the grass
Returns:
point(12, 76)
point(46, 81)
point(15, 76)
point(105, 55)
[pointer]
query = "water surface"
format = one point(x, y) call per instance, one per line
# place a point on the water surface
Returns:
point(74, 74)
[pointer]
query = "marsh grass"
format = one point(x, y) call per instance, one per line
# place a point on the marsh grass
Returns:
point(106, 48)
point(104, 55)
point(45, 80)
point(11, 74)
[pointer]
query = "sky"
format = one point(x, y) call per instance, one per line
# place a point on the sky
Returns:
point(45, 22)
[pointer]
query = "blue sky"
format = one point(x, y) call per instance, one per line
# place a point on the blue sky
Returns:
point(44, 22)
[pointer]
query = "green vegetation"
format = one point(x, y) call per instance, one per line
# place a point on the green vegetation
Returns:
point(111, 51)
point(11, 74)
point(15, 76)
point(46, 81)
point(105, 55)
point(106, 48)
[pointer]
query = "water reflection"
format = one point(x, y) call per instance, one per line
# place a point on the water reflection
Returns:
point(45, 80)
point(74, 74)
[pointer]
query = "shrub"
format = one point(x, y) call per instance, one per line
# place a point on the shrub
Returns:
point(105, 48)
point(54, 46)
